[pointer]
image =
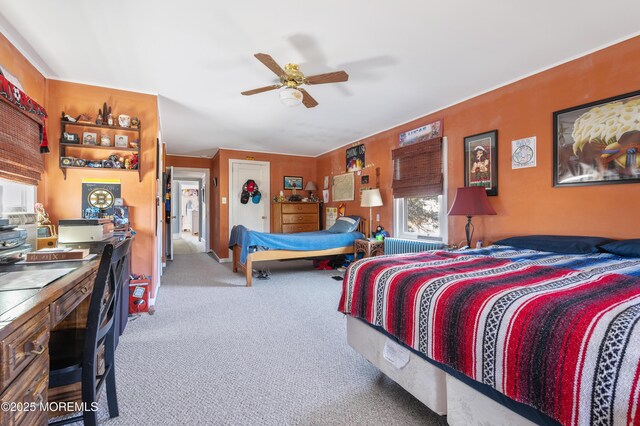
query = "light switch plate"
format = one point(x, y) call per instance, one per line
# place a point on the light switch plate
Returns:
point(224, 200)
point(377, 217)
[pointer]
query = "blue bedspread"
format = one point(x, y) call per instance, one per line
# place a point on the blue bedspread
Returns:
point(301, 241)
point(604, 261)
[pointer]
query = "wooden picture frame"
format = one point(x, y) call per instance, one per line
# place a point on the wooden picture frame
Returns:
point(293, 182)
point(597, 143)
point(481, 161)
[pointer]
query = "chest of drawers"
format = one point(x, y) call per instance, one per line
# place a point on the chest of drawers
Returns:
point(291, 217)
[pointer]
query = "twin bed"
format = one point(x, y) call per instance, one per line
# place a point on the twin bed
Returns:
point(251, 246)
point(502, 335)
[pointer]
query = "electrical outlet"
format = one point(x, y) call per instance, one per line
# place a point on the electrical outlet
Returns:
point(224, 200)
point(377, 217)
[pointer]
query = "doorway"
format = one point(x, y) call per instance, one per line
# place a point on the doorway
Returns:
point(188, 238)
point(189, 224)
point(254, 213)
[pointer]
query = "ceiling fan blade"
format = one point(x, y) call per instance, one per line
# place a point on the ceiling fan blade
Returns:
point(261, 89)
point(307, 99)
point(270, 63)
point(330, 77)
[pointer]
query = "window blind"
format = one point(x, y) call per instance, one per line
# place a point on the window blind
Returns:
point(20, 158)
point(417, 169)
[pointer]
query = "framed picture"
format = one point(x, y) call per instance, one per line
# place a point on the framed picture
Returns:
point(326, 182)
point(481, 161)
point(121, 141)
point(355, 158)
point(89, 138)
point(364, 179)
point(292, 182)
point(597, 143)
point(343, 187)
point(424, 133)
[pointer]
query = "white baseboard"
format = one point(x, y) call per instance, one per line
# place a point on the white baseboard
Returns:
point(220, 260)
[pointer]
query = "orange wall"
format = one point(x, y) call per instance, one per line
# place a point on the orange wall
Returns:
point(526, 203)
point(63, 197)
point(33, 83)
point(281, 165)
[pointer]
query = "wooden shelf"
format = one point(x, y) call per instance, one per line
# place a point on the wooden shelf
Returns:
point(100, 168)
point(100, 126)
point(113, 149)
point(87, 146)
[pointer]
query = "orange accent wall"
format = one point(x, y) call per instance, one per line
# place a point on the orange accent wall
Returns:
point(281, 165)
point(33, 82)
point(62, 198)
point(527, 202)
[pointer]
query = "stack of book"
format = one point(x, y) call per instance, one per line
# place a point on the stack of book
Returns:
point(57, 255)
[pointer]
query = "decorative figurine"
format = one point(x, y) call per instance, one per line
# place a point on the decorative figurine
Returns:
point(42, 215)
point(135, 122)
point(110, 119)
point(104, 113)
point(84, 118)
point(134, 143)
point(134, 161)
point(124, 120)
point(127, 163)
point(67, 117)
point(99, 120)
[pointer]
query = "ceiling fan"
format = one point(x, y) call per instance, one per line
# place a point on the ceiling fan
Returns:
point(292, 78)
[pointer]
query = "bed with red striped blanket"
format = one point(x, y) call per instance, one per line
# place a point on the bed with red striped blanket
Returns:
point(565, 342)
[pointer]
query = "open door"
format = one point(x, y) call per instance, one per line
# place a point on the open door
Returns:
point(169, 212)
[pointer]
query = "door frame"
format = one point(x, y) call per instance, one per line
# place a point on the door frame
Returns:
point(232, 195)
point(206, 192)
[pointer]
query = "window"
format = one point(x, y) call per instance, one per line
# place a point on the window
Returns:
point(16, 197)
point(421, 217)
point(419, 188)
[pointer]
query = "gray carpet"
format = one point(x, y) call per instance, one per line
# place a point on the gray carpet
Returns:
point(216, 352)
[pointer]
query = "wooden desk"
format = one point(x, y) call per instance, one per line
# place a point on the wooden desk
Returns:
point(26, 319)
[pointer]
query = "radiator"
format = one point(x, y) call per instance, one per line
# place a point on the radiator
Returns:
point(399, 245)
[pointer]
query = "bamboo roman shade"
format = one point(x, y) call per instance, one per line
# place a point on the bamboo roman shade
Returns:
point(20, 158)
point(417, 169)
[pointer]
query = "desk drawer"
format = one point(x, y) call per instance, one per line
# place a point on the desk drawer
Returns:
point(63, 306)
point(23, 346)
point(300, 208)
point(302, 227)
point(300, 218)
point(29, 388)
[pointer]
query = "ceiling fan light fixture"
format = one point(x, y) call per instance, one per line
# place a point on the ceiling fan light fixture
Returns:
point(291, 97)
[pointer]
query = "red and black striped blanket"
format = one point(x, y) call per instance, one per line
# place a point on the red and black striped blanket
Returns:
point(565, 342)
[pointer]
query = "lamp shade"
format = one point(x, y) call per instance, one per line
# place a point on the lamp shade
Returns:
point(310, 186)
point(291, 97)
point(371, 198)
point(471, 201)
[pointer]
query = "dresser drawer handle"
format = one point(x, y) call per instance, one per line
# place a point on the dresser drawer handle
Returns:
point(40, 347)
point(84, 290)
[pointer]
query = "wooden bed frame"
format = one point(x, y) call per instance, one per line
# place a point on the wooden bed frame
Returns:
point(287, 254)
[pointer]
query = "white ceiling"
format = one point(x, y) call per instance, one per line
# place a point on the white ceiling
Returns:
point(405, 58)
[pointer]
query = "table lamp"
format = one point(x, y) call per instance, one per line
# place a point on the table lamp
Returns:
point(371, 198)
point(310, 187)
point(471, 201)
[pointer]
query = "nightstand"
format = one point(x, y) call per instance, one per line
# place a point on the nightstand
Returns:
point(370, 248)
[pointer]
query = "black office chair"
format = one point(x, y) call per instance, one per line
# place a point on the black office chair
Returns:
point(73, 352)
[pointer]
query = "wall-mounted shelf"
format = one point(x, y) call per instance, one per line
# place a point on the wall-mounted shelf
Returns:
point(113, 149)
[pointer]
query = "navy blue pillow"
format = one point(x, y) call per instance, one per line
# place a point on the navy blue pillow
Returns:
point(626, 248)
point(557, 243)
point(345, 224)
